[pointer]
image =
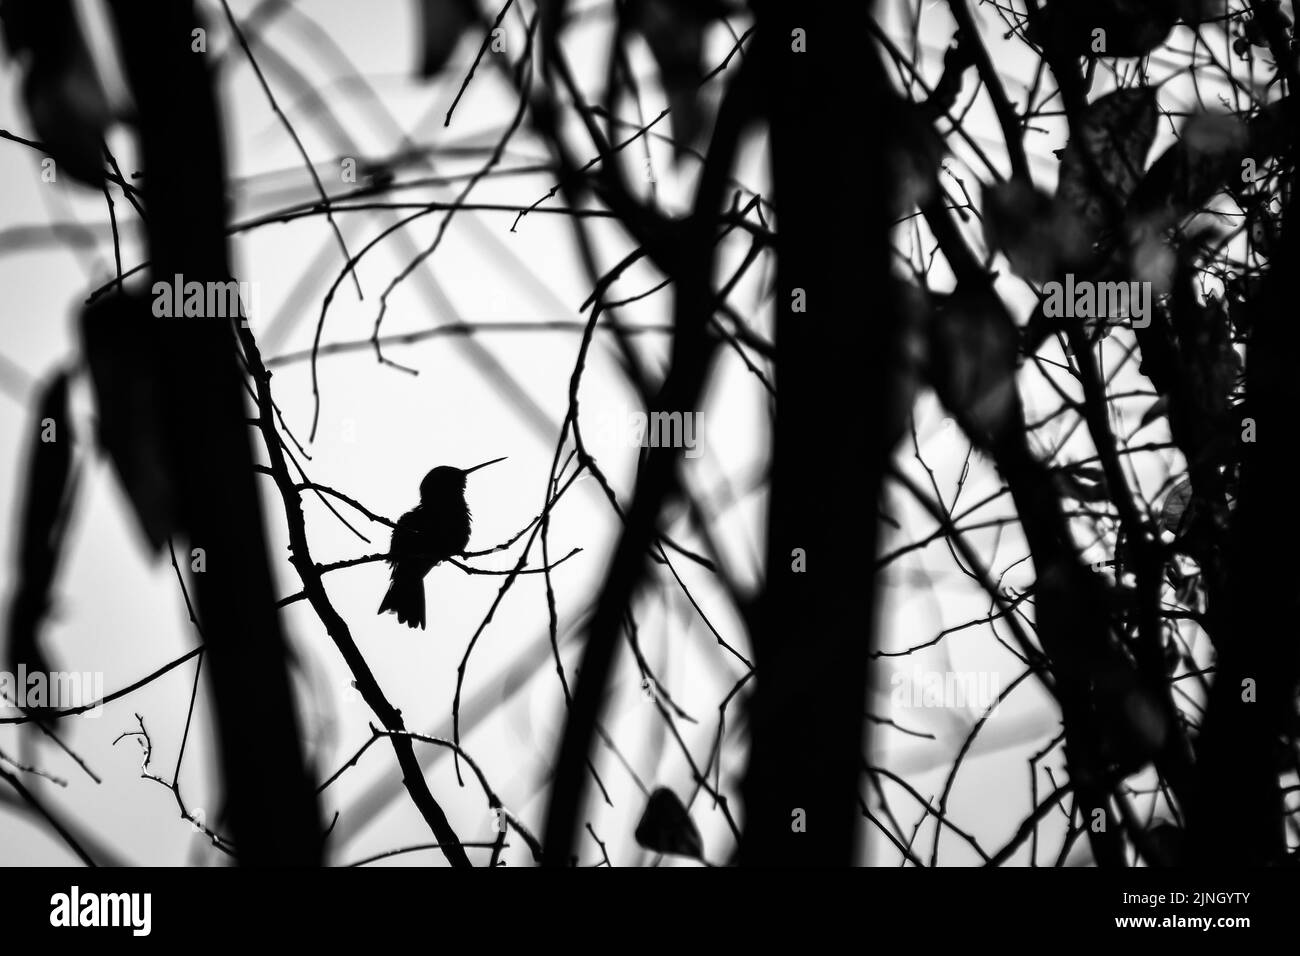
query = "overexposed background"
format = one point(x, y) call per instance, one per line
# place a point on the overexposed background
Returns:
point(381, 429)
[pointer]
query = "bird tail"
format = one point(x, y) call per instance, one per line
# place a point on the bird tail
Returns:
point(405, 598)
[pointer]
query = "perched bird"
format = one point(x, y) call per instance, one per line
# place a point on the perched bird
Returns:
point(430, 533)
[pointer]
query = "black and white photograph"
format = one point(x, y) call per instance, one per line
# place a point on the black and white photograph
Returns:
point(561, 435)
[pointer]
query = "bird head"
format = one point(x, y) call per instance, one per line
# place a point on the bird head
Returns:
point(445, 480)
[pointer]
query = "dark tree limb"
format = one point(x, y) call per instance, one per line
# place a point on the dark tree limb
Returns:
point(836, 365)
point(658, 483)
point(209, 456)
point(1241, 817)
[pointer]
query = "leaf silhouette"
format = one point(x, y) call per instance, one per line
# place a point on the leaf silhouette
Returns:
point(1135, 725)
point(1214, 150)
point(674, 31)
point(1083, 483)
point(1174, 512)
point(61, 91)
point(666, 827)
point(1100, 173)
point(1104, 28)
point(1039, 236)
point(48, 495)
point(441, 25)
point(1165, 844)
point(1159, 409)
point(916, 153)
point(972, 363)
point(1147, 723)
point(1200, 11)
point(124, 370)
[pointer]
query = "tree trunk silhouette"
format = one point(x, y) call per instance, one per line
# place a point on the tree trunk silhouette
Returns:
point(270, 797)
point(834, 427)
point(1241, 816)
point(692, 254)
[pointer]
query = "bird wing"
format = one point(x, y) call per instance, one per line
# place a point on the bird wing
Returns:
point(408, 540)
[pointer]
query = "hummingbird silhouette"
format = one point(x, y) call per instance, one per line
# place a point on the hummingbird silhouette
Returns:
point(430, 533)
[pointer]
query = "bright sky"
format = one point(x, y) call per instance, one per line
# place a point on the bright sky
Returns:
point(380, 429)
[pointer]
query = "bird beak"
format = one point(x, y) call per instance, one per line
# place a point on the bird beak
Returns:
point(486, 463)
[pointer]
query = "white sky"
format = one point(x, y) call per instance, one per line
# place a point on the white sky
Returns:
point(120, 613)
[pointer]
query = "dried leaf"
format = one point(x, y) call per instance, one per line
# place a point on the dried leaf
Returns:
point(1083, 483)
point(48, 473)
point(1267, 19)
point(674, 31)
point(46, 508)
point(1214, 149)
point(1147, 723)
point(1152, 259)
point(666, 827)
point(1099, 173)
point(1134, 726)
point(915, 154)
point(1202, 11)
point(442, 24)
point(1104, 28)
point(1165, 845)
point(1186, 590)
point(119, 348)
point(1039, 236)
point(972, 363)
point(1174, 511)
point(62, 93)
point(1159, 409)
point(1173, 654)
